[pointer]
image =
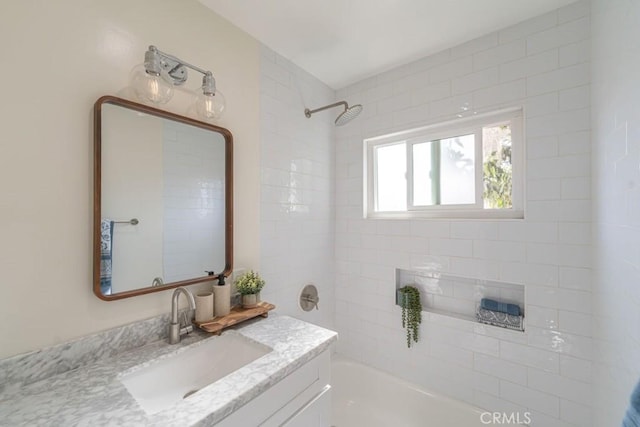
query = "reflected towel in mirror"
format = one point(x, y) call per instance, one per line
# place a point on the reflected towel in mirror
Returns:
point(632, 417)
point(106, 237)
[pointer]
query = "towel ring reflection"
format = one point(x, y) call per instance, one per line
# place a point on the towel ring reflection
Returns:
point(132, 221)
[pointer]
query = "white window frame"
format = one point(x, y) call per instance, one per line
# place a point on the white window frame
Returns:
point(449, 129)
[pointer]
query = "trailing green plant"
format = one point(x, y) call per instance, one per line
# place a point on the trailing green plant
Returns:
point(249, 283)
point(411, 312)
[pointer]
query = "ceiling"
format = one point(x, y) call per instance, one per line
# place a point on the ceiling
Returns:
point(344, 41)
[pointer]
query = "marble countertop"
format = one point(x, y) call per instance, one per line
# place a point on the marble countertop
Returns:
point(93, 395)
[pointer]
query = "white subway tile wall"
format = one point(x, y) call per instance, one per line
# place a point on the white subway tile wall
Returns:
point(616, 233)
point(195, 167)
point(543, 65)
point(297, 188)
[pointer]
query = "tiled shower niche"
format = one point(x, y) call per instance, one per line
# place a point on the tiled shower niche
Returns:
point(457, 296)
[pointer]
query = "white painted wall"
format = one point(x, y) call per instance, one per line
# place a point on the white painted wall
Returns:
point(543, 65)
point(297, 196)
point(616, 197)
point(63, 56)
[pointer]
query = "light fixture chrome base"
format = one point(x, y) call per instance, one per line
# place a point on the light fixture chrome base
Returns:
point(178, 72)
point(174, 67)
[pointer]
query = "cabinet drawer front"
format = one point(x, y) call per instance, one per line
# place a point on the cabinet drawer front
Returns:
point(278, 403)
point(316, 413)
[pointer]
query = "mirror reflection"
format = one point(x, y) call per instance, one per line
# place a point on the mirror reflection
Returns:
point(162, 197)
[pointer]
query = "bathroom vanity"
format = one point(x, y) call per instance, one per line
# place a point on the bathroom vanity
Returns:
point(281, 377)
point(267, 372)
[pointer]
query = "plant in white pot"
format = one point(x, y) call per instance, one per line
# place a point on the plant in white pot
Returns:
point(249, 286)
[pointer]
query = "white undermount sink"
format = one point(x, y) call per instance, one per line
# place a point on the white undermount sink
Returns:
point(170, 380)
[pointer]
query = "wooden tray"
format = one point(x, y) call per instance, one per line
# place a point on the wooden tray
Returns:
point(237, 315)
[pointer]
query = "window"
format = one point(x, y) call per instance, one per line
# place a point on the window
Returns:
point(467, 168)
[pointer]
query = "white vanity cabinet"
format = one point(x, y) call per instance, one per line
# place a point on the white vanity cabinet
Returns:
point(316, 413)
point(301, 399)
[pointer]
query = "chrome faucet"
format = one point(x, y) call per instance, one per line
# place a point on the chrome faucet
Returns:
point(175, 331)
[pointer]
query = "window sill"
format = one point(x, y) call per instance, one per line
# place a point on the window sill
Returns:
point(450, 214)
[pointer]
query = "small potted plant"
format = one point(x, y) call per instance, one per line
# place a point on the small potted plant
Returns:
point(411, 312)
point(249, 286)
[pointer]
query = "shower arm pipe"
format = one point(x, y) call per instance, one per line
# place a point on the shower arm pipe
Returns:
point(308, 112)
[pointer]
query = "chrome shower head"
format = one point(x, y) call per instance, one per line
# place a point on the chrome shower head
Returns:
point(345, 117)
point(348, 114)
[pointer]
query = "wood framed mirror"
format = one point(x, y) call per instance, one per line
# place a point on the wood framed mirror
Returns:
point(163, 200)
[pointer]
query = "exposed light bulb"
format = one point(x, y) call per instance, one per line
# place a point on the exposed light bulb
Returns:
point(210, 106)
point(150, 87)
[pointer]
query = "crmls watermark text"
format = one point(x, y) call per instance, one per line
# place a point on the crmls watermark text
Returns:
point(505, 418)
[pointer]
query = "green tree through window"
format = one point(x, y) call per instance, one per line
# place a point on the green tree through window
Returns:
point(497, 167)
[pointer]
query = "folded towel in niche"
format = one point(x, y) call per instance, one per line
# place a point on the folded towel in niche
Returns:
point(493, 305)
point(632, 417)
point(106, 237)
point(497, 318)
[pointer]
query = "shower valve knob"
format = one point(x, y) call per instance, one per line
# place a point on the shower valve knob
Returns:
point(309, 298)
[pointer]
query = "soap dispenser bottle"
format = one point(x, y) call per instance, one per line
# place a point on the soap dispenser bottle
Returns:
point(222, 296)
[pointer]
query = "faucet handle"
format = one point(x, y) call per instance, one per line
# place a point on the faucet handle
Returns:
point(185, 318)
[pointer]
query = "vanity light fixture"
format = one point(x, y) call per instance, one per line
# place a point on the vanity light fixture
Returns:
point(153, 82)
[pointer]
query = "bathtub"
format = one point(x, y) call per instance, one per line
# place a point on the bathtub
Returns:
point(365, 397)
